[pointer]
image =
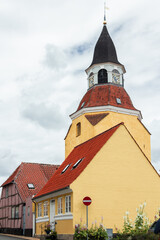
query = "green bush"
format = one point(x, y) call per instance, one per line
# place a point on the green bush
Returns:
point(141, 236)
point(94, 233)
point(137, 229)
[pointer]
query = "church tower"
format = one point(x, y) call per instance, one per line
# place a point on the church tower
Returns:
point(106, 102)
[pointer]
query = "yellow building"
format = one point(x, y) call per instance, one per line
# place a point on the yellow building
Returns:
point(108, 156)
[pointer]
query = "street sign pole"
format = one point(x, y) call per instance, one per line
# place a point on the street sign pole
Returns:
point(87, 219)
point(87, 201)
point(87, 216)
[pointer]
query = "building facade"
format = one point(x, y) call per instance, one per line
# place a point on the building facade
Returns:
point(16, 198)
point(108, 155)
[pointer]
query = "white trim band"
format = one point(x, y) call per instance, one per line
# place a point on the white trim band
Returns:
point(42, 219)
point(66, 216)
point(107, 108)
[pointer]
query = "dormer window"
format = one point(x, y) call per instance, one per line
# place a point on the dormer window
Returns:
point(115, 76)
point(77, 163)
point(30, 186)
point(102, 76)
point(78, 129)
point(91, 79)
point(65, 169)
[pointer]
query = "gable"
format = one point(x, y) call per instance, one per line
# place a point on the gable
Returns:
point(95, 118)
point(119, 178)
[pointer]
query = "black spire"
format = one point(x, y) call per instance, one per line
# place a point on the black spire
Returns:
point(105, 50)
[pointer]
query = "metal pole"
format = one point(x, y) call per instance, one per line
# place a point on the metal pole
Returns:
point(87, 219)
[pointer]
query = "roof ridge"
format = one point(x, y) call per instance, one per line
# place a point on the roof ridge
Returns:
point(38, 163)
point(121, 123)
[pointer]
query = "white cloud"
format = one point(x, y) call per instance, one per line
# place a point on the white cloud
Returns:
point(45, 48)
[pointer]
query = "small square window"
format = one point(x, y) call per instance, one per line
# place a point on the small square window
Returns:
point(118, 100)
point(30, 186)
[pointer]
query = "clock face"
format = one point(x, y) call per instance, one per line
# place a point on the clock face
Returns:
point(115, 78)
point(91, 81)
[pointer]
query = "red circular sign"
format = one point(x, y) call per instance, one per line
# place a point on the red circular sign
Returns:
point(87, 201)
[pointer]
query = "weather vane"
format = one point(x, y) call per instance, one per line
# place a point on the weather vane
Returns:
point(105, 12)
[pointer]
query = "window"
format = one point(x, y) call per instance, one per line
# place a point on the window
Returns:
point(82, 105)
point(30, 185)
point(77, 163)
point(102, 76)
point(68, 204)
point(17, 212)
point(6, 192)
point(28, 211)
point(65, 169)
point(60, 205)
point(13, 212)
point(118, 100)
point(39, 209)
point(78, 129)
point(45, 208)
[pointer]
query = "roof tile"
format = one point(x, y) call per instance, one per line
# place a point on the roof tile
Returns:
point(87, 151)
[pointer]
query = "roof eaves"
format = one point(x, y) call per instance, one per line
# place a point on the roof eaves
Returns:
point(48, 193)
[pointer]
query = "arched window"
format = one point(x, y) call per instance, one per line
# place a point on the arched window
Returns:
point(78, 129)
point(102, 76)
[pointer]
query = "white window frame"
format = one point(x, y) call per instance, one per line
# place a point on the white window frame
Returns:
point(68, 204)
point(45, 209)
point(60, 207)
point(39, 209)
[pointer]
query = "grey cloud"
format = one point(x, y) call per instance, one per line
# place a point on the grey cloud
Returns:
point(55, 57)
point(47, 117)
point(155, 155)
point(7, 162)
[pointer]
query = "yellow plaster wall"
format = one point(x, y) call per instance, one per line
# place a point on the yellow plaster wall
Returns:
point(136, 128)
point(118, 179)
point(61, 225)
point(64, 227)
point(87, 132)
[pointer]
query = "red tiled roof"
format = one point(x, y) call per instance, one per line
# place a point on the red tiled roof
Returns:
point(103, 95)
point(87, 151)
point(37, 174)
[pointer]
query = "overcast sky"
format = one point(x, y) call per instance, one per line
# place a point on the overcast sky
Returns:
point(45, 46)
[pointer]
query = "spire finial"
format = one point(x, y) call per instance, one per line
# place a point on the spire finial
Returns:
point(105, 17)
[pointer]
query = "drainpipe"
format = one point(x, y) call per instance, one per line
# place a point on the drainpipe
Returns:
point(34, 220)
